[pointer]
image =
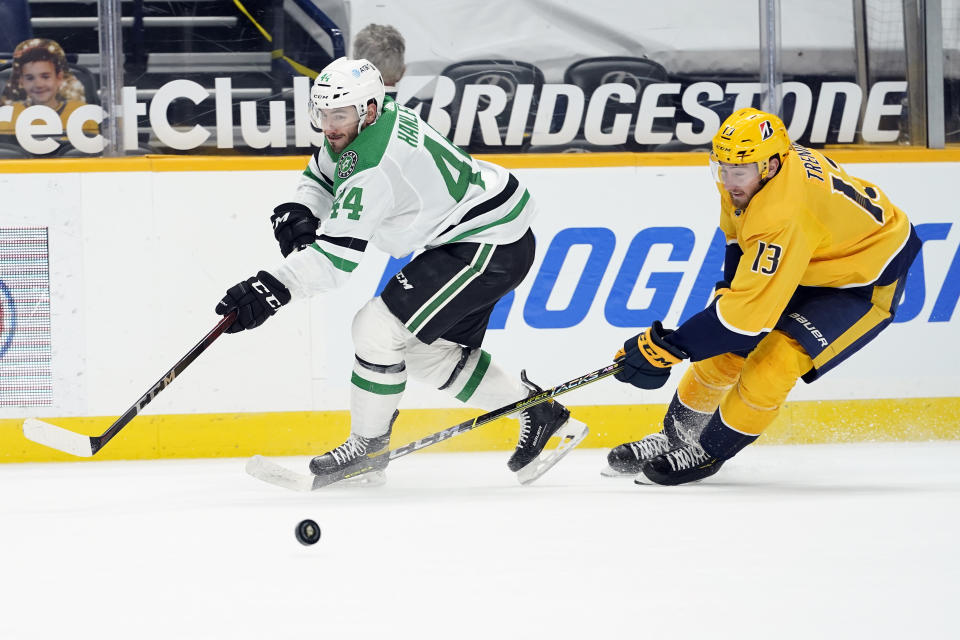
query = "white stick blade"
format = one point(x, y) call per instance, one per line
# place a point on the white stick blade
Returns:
point(50, 435)
point(269, 471)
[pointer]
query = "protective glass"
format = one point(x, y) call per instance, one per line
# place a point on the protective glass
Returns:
point(734, 175)
point(339, 119)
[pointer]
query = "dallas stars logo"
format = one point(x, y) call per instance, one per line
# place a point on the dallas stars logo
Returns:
point(346, 164)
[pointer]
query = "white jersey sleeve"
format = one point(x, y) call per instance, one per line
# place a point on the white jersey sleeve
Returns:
point(400, 186)
point(360, 205)
point(315, 188)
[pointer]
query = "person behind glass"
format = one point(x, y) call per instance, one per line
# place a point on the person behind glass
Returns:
point(39, 76)
point(384, 47)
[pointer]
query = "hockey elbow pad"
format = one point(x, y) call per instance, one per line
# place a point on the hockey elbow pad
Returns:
point(647, 358)
point(294, 227)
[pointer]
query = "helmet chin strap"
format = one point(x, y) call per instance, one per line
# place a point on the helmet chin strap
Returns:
point(768, 177)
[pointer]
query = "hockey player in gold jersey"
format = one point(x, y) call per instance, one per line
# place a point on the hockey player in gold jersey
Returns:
point(815, 266)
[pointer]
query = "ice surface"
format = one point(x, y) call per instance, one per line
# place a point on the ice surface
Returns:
point(817, 541)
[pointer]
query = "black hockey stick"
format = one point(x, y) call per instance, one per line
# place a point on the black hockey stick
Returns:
point(78, 444)
point(269, 471)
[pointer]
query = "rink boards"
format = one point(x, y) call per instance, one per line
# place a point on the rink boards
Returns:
point(116, 265)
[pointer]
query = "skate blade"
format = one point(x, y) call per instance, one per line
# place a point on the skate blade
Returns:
point(570, 435)
point(644, 481)
point(376, 478)
point(610, 472)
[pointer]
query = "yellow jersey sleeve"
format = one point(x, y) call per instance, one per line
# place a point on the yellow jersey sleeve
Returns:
point(767, 276)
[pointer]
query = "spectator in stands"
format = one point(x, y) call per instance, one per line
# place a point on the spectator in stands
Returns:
point(384, 47)
point(39, 76)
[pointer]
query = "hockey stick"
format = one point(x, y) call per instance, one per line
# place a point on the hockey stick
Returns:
point(269, 471)
point(77, 444)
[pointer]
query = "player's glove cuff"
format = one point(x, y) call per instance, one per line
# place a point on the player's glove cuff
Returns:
point(720, 288)
point(255, 300)
point(648, 357)
point(294, 227)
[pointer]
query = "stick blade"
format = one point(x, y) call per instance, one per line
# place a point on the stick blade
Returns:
point(269, 471)
point(50, 435)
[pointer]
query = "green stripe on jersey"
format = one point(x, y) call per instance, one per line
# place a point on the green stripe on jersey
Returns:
point(505, 219)
point(318, 180)
point(453, 288)
point(478, 372)
point(376, 387)
point(370, 144)
point(338, 262)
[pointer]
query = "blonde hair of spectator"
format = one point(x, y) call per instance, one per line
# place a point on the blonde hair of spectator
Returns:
point(36, 50)
point(384, 47)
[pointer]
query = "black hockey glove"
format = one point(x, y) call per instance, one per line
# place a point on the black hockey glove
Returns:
point(647, 358)
point(255, 300)
point(294, 227)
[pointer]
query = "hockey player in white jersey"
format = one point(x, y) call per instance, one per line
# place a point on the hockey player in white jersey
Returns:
point(385, 178)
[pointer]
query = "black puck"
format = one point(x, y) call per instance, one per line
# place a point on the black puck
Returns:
point(308, 532)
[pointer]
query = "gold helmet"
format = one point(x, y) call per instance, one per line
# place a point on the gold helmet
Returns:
point(750, 135)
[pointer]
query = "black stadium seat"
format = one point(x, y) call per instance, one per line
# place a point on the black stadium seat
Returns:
point(638, 73)
point(14, 25)
point(12, 152)
point(590, 73)
point(506, 74)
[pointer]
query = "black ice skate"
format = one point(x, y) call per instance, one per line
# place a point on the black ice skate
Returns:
point(686, 463)
point(538, 424)
point(627, 458)
point(681, 425)
point(359, 458)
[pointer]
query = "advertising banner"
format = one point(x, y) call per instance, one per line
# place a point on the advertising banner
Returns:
point(501, 76)
point(135, 277)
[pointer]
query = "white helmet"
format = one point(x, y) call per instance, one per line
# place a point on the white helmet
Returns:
point(345, 83)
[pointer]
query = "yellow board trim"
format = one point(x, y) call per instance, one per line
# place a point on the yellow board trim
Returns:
point(510, 161)
point(308, 433)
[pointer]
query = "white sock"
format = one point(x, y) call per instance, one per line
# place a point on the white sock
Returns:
point(374, 396)
point(379, 372)
point(475, 380)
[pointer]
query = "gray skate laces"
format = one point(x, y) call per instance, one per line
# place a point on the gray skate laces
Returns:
point(686, 457)
point(354, 447)
point(651, 446)
point(525, 425)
